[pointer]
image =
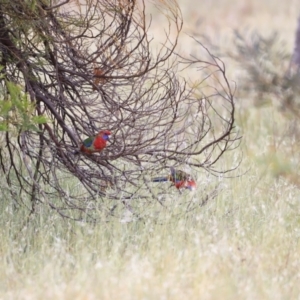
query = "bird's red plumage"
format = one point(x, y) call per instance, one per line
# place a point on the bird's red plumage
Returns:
point(188, 184)
point(95, 144)
point(99, 143)
point(180, 179)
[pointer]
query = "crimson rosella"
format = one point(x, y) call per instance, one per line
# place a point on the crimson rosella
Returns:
point(95, 143)
point(179, 178)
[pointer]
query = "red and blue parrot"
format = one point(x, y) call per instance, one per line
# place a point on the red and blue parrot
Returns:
point(179, 178)
point(95, 143)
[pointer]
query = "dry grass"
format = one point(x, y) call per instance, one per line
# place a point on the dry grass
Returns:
point(242, 245)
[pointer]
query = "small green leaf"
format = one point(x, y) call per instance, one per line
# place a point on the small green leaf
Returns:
point(33, 128)
point(39, 119)
point(13, 90)
point(3, 127)
point(5, 107)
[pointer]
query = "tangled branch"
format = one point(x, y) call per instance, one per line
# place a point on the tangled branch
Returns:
point(89, 67)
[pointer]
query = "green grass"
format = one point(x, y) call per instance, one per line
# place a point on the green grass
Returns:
point(244, 244)
point(241, 245)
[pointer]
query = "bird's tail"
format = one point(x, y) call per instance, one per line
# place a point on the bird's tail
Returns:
point(160, 179)
point(76, 152)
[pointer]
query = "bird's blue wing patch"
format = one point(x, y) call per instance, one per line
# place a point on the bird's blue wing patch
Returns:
point(160, 179)
point(88, 142)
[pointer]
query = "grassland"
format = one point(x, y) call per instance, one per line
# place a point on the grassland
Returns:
point(244, 244)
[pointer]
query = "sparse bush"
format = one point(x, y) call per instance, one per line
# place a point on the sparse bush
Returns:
point(89, 66)
point(267, 71)
point(268, 75)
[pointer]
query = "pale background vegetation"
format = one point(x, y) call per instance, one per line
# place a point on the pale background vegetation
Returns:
point(244, 244)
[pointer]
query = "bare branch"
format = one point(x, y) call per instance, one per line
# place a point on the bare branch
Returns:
point(90, 67)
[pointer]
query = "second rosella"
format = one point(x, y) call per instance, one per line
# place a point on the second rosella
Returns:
point(95, 143)
point(180, 179)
